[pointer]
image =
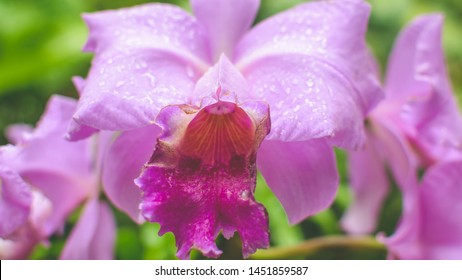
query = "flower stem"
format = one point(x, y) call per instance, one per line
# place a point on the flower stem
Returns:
point(315, 245)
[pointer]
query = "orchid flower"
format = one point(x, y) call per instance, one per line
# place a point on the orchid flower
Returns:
point(214, 94)
point(44, 178)
point(417, 126)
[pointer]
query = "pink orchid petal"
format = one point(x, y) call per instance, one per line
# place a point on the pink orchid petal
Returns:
point(93, 236)
point(308, 99)
point(441, 196)
point(77, 131)
point(369, 186)
point(147, 57)
point(433, 229)
point(329, 32)
point(155, 27)
point(18, 133)
point(223, 81)
point(225, 22)
point(123, 163)
point(303, 175)
point(65, 180)
point(418, 81)
point(418, 44)
point(64, 192)
point(39, 152)
point(15, 201)
point(126, 90)
point(22, 242)
point(386, 147)
point(19, 248)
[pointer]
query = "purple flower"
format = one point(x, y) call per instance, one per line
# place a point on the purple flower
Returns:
point(212, 86)
point(416, 127)
point(44, 178)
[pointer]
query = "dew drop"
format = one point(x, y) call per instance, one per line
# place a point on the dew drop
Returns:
point(190, 71)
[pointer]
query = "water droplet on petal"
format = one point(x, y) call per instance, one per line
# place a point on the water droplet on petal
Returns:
point(190, 71)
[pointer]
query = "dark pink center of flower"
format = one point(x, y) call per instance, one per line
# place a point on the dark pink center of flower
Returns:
point(201, 178)
point(218, 133)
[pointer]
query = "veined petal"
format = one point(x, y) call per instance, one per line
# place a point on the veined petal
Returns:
point(332, 33)
point(93, 237)
point(308, 98)
point(419, 89)
point(201, 177)
point(303, 175)
point(123, 163)
point(225, 22)
point(155, 27)
point(15, 201)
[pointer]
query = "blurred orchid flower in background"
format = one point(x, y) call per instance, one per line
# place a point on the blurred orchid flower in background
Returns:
point(430, 227)
point(417, 127)
point(214, 88)
point(44, 178)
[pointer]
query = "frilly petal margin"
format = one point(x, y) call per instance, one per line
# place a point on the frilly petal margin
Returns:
point(123, 163)
point(431, 227)
point(15, 201)
point(198, 192)
point(302, 175)
point(225, 22)
point(93, 237)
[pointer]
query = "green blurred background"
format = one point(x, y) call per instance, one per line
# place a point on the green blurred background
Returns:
point(40, 50)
